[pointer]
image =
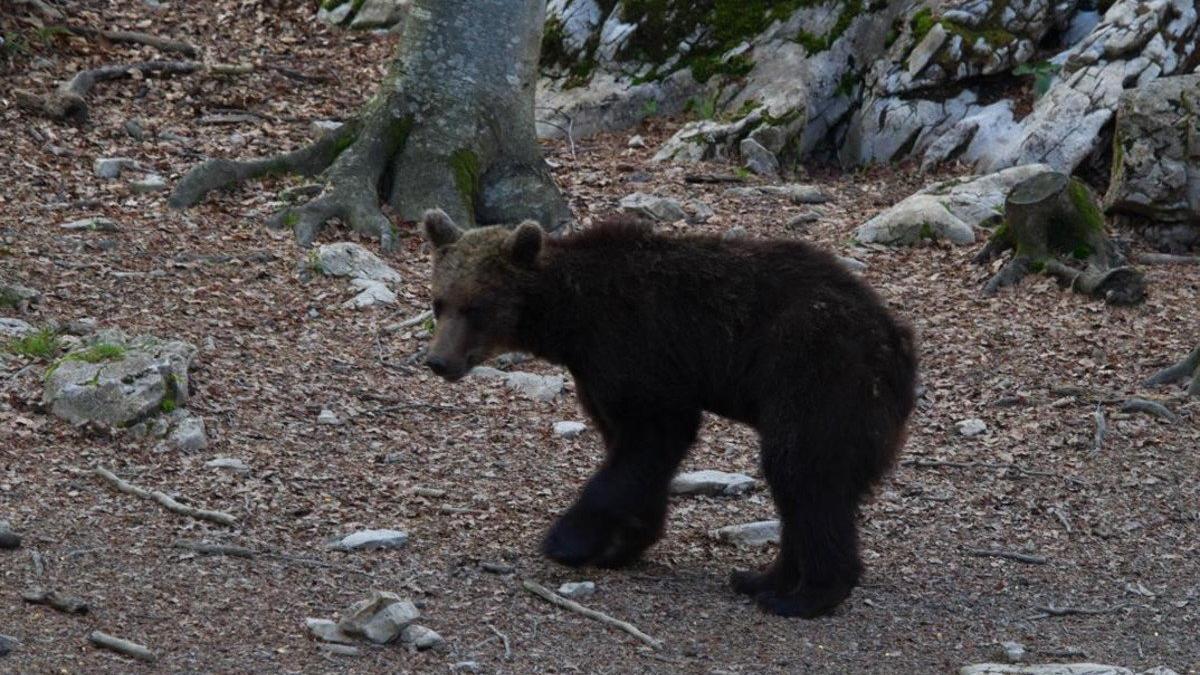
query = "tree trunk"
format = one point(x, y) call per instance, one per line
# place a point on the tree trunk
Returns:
point(451, 127)
point(1052, 218)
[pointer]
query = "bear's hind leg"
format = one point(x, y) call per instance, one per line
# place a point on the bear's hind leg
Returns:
point(621, 511)
point(817, 565)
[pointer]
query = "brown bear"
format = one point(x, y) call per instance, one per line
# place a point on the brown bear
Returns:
point(656, 329)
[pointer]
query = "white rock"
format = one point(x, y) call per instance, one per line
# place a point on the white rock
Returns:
point(658, 208)
point(917, 217)
point(378, 13)
point(569, 429)
point(328, 418)
point(370, 540)
point(636, 142)
point(321, 127)
point(379, 618)
point(229, 463)
point(373, 293)
point(752, 535)
point(710, 482)
point(971, 427)
point(758, 159)
point(149, 183)
point(337, 15)
point(95, 223)
point(111, 167)
point(189, 434)
point(421, 637)
point(326, 631)
point(347, 259)
point(14, 328)
point(1012, 652)
point(577, 589)
point(536, 387)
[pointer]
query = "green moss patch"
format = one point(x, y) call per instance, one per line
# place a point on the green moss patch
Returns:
point(40, 345)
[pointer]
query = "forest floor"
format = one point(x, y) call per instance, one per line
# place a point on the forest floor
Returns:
point(1118, 527)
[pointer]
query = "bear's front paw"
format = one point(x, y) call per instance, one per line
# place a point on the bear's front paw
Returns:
point(750, 583)
point(575, 541)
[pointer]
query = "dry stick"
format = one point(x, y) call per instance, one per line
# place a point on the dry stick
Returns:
point(1149, 407)
point(249, 553)
point(216, 549)
point(1010, 555)
point(165, 500)
point(554, 599)
point(116, 644)
point(1101, 429)
point(420, 318)
point(160, 43)
point(1051, 610)
point(69, 99)
point(504, 639)
point(1167, 259)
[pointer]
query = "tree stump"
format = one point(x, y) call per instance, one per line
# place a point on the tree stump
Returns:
point(1053, 224)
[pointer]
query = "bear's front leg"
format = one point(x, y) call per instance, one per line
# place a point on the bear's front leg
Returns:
point(621, 510)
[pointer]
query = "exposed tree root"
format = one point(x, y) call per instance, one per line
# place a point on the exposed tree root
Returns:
point(1188, 367)
point(46, 10)
point(69, 101)
point(134, 37)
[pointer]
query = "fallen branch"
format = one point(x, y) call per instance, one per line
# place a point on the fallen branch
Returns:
point(160, 43)
point(1010, 555)
point(165, 500)
point(235, 551)
point(418, 319)
point(116, 644)
point(1051, 610)
point(1101, 430)
point(504, 639)
point(216, 549)
point(1167, 259)
point(67, 604)
point(1153, 408)
point(69, 100)
point(555, 599)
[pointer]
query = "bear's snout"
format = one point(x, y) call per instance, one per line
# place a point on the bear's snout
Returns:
point(442, 367)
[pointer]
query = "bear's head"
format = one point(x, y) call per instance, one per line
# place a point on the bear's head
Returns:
point(478, 277)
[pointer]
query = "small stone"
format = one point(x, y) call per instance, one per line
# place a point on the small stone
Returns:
point(971, 427)
point(801, 221)
point(536, 387)
point(657, 208)
point(17, 296)
point(8, 539)
point(328, 418)
point(798, 193)
point(326, 631)
point(709, 482)
point(497, 568)
point(346, 259)
point(82, 326)
point(752, 535)
point(421, 637)
point(338, 649)
point(228, 463)
point(636, 141)
point(569, 430)
point(758, 159)
point(698, 212)
point(742, 192)
point(1011, 652)
point(370, 540)
point(149, 183)
point(735, 233)
point(111, 167)
point(379, 618)
point(94, 224)
point(852, 264)
point(135, 129)
point(577, 589)
point(14, 328)
point(465, 667)
point(373, 293)
point(189, 434)
point(7, 644)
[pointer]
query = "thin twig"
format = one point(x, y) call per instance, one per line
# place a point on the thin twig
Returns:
point(1010, 555)
point(418, 319)
point(160, 43)
point(504, 639)
point(1051, 610)
point(555, 599)
point(116, 644)
point(165, 500)
point(1101, 429)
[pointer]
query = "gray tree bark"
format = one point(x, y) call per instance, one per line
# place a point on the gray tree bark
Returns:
point(451, 127)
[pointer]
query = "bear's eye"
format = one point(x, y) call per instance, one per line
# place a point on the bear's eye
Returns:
point(438, 307)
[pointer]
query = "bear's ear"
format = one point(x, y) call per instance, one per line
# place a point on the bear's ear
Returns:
point(524, 244)
point(439, 229)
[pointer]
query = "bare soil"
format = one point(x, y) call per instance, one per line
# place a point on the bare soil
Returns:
point(1118, 527)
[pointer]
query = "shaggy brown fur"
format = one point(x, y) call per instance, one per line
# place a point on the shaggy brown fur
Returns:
point(657, 329)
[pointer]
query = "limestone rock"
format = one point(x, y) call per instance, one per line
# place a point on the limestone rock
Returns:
point(347, 259)
point(378, 14)
point(569, 430)
point(1156, 172)
point(189, 434)
point(758, 159)
point(17, 296)
point(657, 208)
point(228, 463)
point(420, 637)
point(752, 535)
point(971, 427)
point(147, 184)
point(7, 644)
point(371, 540)
point(710, 482)
point(379, 618)
point(8, 539)
point(111, 167)
point(327, 631)
point(533, 386)
point(14, 328)
point(328, 418)
point(371, 293)
point(577, 589)
point(119, 382)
